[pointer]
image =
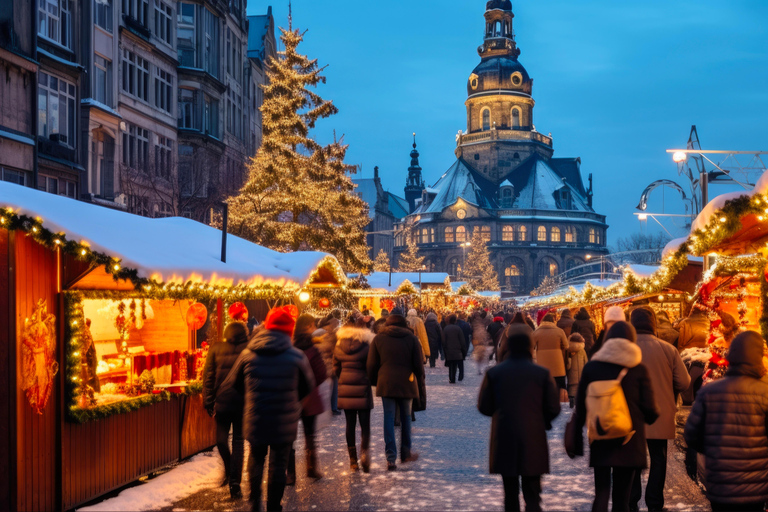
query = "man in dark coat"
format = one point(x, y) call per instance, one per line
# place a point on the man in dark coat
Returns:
point(275, 377)
point(226, 406)
point(520, 421)
point(516, 325)
point(566, 321)
point(729, 425)
point(614, 460)
point(495, 329)
point(584, 325)
point(455, 347)
point(395, 366)
point(435, 337)
point(465, 327)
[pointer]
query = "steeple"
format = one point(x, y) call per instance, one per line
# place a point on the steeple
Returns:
point(414, 184)
point(499, 35)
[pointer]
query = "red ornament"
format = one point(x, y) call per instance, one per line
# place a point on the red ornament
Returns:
point(238, 312)
point(196, 316)
point(324, 303)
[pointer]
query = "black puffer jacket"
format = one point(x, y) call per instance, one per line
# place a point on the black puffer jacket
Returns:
point(221, 358)
point(395, 362)
point(729, 425)
point(349, 359)
point(454, 344)
point(434, 334)
point(586, 327)
point(275, 377)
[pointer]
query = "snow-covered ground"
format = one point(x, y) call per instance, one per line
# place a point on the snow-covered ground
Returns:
point(451, 474)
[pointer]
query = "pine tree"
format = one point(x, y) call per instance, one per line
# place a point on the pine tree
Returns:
point(381, 263)
point(410, 261)
point(480, 272)
point(299, 195)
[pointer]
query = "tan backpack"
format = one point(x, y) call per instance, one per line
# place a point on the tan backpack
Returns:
point(607, 410)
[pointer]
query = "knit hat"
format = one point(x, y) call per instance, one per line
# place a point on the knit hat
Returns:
point(614, 314)
point(397, 311)
point(282, 319)
point(745, 357)
point(623, 330)
point(643, 319)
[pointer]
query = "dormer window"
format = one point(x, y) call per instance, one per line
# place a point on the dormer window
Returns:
point(506, 194)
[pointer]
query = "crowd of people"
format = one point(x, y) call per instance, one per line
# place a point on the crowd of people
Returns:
point(622, 383)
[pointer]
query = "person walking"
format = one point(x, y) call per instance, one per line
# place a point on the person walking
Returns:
point(465, 327)
point(312, 406)
point(226, 406)
point(518, 447)
point(517, 324)
point(612, 315)
point(665, 330)
point(729, 425)
point(324, 339)
point(395, 366)
point(577, 358)
point(669, 376)
point(694, 330)
point(565, 322)
point(434, 336)
point(550, 342)
point(416, 324)
point(615, 460)
point(274, 377)
point(455, 348)
point(584, 325)
point(355, 396)
point(494, 331)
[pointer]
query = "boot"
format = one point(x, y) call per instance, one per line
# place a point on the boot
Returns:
point(275, 497)
point(312, 471)
point(365, 460)
point(353, 458)
point(235, 493)
point(290, 473)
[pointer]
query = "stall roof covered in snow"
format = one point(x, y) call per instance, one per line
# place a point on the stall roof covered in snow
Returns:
point(381, 280)
point(171, 249)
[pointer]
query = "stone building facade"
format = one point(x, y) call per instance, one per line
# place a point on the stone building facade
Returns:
point(533, 210)
point(384, 209)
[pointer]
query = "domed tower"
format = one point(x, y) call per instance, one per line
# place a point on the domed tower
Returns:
point(500, 131)
point(414, 185)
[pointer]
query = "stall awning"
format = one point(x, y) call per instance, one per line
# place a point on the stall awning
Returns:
point(170, 250)
point(429, 280)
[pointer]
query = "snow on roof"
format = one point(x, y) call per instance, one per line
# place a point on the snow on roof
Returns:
point(540, 190)
point(456, 183)
point(506, 183)
point(701, 221)
point(380, 280)
point(172, 249)
point(642, 271)
point(673, 246)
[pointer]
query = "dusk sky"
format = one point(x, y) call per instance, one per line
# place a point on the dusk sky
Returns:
point(616, 83)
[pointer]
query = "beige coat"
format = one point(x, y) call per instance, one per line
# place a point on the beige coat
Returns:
point(550, 341)
point(417, 326)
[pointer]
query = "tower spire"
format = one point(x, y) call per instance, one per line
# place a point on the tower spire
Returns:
point(414, 184)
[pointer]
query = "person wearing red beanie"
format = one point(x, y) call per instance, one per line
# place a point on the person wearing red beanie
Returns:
point(282, 319)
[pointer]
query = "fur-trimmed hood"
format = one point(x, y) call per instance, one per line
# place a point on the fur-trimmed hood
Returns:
point(575, 346)
point(350, 339)
point(619, 351)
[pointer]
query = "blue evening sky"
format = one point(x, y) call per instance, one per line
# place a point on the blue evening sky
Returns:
point(616, 83)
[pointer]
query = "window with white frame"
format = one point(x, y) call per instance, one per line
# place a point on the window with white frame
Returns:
point(135, 75)
point(185, 35)
point(163, 90)
point(163, 157)
point(136, 148)
point(102, 80)
point(102, 14)
point(137, 9)
point(54, 21)
point(56, 113)
point(163, 22)
point(187, 108)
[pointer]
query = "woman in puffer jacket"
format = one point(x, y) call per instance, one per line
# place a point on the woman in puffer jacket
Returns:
point(355, 395)
point(729, 425)
point(577, 358)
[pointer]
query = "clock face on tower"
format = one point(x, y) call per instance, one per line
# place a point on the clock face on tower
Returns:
point(461, 213)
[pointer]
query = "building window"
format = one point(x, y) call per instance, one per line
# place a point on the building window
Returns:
point(102, 14)
point(163, 90)
point(187, 108)
point(432, 236)
point(515, 118)
point(13, 176)
point(555, 234)
point(136, 148)
point(137, 9)
point(486, 119)
point(542, 234)
point(102, 80)
point(512, 270)
point(185, 35)
point(54, 21)
point(163, 19)
point(163, 157)
point(424, 236)
point(135, 75)
point(507, 234)
point(546, 268)
point(210, 43)
point(485, 233)
point(592, 236)
point(522, 234)
point(461, 234)
point(506, 197)
point(570, 234)
point(56, 109)
point(48, 184)
point(449, 235)
point(211, 116)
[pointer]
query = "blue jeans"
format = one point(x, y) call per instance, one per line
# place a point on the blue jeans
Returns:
point(390, 404)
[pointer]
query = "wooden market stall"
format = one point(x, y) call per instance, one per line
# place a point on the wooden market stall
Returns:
point(99, 341)
point(387, 290)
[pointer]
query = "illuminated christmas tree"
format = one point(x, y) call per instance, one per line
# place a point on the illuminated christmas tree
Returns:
point(299, 194)
point(480, 273)
point(381, 263)
point(410, 261)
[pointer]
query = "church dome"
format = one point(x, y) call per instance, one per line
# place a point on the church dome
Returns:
point(504, 5)
point(499, 73)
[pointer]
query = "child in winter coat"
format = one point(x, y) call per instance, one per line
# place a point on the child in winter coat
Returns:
point(577, 358)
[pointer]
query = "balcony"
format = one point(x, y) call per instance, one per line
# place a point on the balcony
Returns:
point(501, 134)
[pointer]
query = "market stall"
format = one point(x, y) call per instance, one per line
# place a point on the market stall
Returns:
point(387, 290)
point(108, 318)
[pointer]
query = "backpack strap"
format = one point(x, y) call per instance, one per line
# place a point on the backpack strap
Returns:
point(622, 373)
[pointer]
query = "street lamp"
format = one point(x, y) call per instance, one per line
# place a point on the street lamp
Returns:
point(679, 157)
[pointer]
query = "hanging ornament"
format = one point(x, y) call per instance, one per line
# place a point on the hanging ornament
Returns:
point(196, 316)
point(238, 312)
point(38, 352)
point(324, 303)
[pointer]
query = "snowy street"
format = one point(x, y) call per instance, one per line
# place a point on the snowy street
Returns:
point(452, 473)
